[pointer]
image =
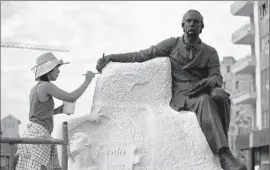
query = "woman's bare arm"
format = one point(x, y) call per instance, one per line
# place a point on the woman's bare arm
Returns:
point(52, 90)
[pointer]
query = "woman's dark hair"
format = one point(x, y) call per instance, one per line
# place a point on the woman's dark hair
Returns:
point(43, 78)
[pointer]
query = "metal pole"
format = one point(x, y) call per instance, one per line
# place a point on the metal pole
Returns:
point(30, 140)
point(10, 162)
point(21, 45)
point(253, 162)
point(64, 147)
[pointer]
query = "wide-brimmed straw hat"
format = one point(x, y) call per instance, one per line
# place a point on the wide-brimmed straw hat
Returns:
point(46, 63)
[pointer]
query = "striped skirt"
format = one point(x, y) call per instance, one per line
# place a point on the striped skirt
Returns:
point(37, 156)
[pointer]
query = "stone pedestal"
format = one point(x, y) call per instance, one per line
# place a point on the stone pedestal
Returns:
point(131, 125)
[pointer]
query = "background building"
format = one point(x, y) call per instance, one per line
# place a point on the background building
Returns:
point(254, 95)
point(241, 112)
point(9, 128)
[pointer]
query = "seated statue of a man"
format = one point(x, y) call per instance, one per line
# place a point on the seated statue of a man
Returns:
point(196, 83)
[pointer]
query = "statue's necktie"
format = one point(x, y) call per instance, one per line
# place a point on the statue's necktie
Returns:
point(192, 49)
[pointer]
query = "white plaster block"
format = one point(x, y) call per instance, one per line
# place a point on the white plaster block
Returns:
point(133, 99)
point(134, 83)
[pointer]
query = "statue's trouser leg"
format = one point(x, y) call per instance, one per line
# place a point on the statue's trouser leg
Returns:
point(207, 112)
point(221, 97)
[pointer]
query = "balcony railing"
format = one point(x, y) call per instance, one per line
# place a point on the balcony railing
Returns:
point(242, 8)
point(245, 65)
point(243, 90)
point(256, 138)
point(244, 35)
point(244, 95)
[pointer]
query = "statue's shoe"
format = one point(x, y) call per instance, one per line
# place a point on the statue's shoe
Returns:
point(229, 162)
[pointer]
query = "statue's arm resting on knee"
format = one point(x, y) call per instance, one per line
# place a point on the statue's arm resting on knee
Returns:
point(214, 79)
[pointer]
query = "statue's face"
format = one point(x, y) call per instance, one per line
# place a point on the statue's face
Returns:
point(78, 142)
point(192, 23)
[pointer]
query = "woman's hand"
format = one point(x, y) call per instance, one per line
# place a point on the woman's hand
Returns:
point(89, 76)
point(58, 110)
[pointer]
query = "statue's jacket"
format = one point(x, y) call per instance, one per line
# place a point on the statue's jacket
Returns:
point(186, 71)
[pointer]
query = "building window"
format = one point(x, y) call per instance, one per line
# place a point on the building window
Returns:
point(265, 45)
point(264, 74)
point(224, 85)
point(232, 142)
point(265, 82)
point(237, 113)
point(265, 119)
point(228, 68)
point(237, 85)
point(264, 10)
point(9, 125)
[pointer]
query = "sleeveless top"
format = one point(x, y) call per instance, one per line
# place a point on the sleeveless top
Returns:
point(41, 112)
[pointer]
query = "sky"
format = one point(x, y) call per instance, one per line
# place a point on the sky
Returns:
point(90, 28)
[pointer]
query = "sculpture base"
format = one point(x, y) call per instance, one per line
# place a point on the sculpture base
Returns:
point(140, 131)
point(160, 136)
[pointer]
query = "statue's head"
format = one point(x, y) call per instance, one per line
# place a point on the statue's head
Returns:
point(79, 142)
point(192, 22)
point(85, 150)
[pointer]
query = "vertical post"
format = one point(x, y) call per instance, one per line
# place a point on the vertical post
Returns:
point(258, 65)
point(64, 147)
point(11, 158)
point(253, 162)
point(10, 162)
point(250, 159)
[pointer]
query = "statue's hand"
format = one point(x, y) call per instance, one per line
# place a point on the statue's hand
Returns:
point(201, 85)
point(102, 62)
point(207, 82)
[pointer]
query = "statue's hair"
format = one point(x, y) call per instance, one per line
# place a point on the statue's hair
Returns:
point(192, 10)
